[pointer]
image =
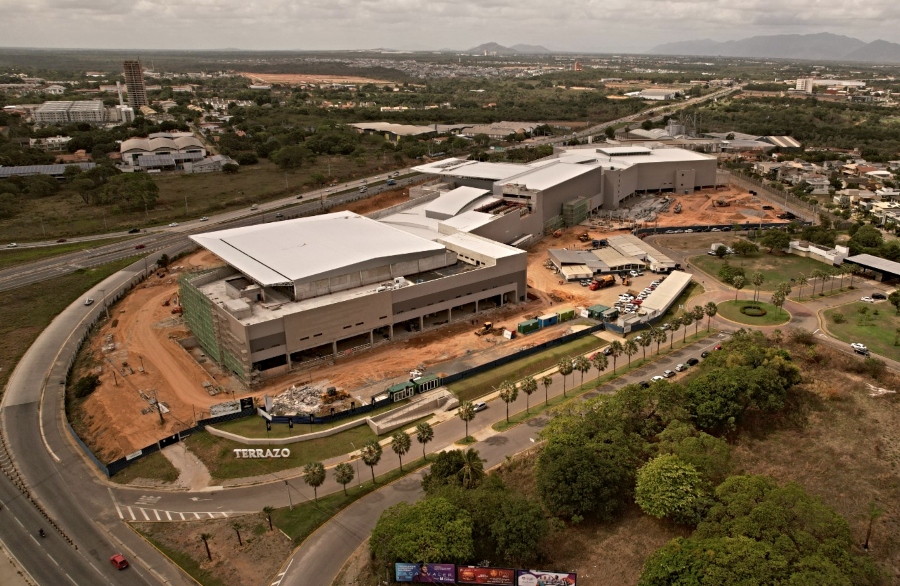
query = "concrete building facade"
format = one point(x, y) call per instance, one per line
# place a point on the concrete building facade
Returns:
point(134, 84)
point(67, 112)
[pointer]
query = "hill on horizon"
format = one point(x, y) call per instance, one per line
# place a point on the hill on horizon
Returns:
point(514, 50)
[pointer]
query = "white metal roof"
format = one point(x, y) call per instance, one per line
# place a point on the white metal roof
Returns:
point(398, 129)
point(302, 249)
point(876, 262)
point(480, 245)
point(468, 221)
point(471, 169)
point(667, 292)
point(548, 176)
point(454, 201)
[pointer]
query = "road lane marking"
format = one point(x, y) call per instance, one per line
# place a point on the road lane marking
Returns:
point(143, 512)
point(168, 515)
point(155, 512)
point(130, 512)
point(113, 498)
point(73, 581)
point(53, 560)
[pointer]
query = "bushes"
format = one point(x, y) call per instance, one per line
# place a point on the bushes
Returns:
point(668, 488)
point(85, 385)
point(728, 272)
point(838, 318)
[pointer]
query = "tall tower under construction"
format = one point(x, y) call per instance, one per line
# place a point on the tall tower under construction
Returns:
point(134, 84)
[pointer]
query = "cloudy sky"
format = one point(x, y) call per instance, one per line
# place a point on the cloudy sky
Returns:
point(569, 25)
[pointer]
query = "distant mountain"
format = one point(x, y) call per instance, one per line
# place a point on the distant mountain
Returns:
point(499, 49)
point(531, 49)
point(816, 47)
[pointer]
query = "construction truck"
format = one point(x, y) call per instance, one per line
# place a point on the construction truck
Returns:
point(602, 282)
point(584, 237)
point(722, 203)
point(487, 328)
point(677, 209)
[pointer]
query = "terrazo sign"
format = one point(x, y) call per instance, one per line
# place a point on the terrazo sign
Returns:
point(254, 453)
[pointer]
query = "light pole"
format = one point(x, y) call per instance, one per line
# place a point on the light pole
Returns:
point(358, 478)
point(103, 301)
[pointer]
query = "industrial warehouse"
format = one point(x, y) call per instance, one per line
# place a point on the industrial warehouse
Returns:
point(322, 286)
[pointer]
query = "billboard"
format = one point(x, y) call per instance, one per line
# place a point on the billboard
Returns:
point(495, 576)
point(225, 408)
point(542, 578)
point(426, 573)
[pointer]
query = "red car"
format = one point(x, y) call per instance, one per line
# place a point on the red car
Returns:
point(139, 247)
point(637, 301)
point(61, 240)
point(119, 561)
point(718, 347)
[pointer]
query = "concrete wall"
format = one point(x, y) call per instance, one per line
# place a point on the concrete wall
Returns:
point(281, 441)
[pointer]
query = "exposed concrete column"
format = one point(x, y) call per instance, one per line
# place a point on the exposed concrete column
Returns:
point(334, 348)
point(288, 356)
point(421, 323)
point(371, 337)
point(391, 331)
point(476, 306)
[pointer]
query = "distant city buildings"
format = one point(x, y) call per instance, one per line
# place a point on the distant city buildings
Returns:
point(90, 111)
point(134, 83)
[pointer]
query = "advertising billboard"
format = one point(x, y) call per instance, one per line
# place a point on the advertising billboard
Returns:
point(426, 573)
point(495, 576)
point(542, 578)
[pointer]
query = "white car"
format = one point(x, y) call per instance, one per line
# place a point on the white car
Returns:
point(12, 245)
point(688, 231)
point(88, 301)
point(715, 230)
point(858, 346)
point(867, 300)
point(173, 224)
point(669, 373)
point(634, 273)
point(657, 378)
point(204, 218)
point(480, 406)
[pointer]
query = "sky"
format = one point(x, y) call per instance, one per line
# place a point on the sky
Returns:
point(570, 25)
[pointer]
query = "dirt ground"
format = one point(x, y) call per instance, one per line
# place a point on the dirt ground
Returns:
point(256, 562)
point(699, 208)
point(302, 78)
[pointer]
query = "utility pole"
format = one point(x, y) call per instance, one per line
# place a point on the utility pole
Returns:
point(105, 307)
point(158, 406)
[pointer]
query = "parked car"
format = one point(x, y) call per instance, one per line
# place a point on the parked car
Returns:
point(204, 218)
point(12, 245)
point(691, 361)
point(88, 301)
point(61, 240)
point(858, 346)
point(134, 231)
point(480, 406)
point(680, 367)
point(279, 215)
point(173, 224)
point(119, 561)
point(254, 207)
point(140, 247)
point(644, 384)
point(867, 300)
point(879, 296)
point(704, 354)
point(669, 373)
point(718, 347)
point(715, 230)
point(657, 378)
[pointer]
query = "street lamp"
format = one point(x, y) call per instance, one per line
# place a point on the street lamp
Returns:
point(103, 301)
point(358, 478)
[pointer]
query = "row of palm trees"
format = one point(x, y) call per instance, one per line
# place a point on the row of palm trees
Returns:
point(818, 275)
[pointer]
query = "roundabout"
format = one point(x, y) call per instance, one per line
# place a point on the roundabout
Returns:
point(753, 313)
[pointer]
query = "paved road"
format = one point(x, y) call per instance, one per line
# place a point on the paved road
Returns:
point(158, 238)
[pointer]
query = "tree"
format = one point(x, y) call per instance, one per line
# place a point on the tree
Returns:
point(267, 511)
point(291, 157)
point(343, 475)
point(710, 309)
point(738, 284)
point(721, 251)
point(508, 394)
point(744, 247)
point(686, 320)
point(565, 369)
point(314, 476)
point(600, 362)
point(444, 471)
point(400, 444)
point(873, 512)
point(757, 279)
point(472, 472)
point(819, 274)
point(697, 313)
point(674, 323)
point(854, 270)
point(644, 341)
point(615, 350)
point(429, 531)
point(775, 239)
point(659, 335)
point(894, 299)
point(205, 537)
point(237, 529)
point(547, 381)
point(778, 300)
point(371, 455)
point(668, 488)
point(466, 412)
point(801, 283)
point(163, 261)
point(424, 434)
point(528, 386)
point(710, 455)
point(630, 348)
point(230, 168)
point(582, 365)
point(130, 191)
point(518, 530)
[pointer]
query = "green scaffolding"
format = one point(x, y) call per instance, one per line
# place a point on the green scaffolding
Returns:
point(200, 318)
point(575, 211)
point(553, 224)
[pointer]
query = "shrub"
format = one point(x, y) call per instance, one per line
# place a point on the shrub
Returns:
point(838, 318)
point(802, 336)
point(247, 159)
point(85, 386)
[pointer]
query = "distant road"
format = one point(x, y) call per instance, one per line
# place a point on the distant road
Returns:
point(158, 238)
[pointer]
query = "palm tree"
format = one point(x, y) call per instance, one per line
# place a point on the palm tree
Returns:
point(711, 309)
point(508, 394)
point(686, 320)
point(528, 386)
point(873, 512)
point(205, 537)
point(424, 434)
point(400, 444)
point(371, 455)
point(466, 412)
point(267, 511)
point(343, 474)
point(472, 471)
point(547, 381)
point(854, 270)
point(615, 350)
point(600, 362)
point(833, 273)
point(644, 341)
point(674, 324)
point(630, 348)
point(565, 369)
point(738, 283)
point(697, 313)
point(802, 282)
point(758, 279)
point(237, 529)
point(314, 476)
point(582, 365)
point(818, 274)
point(660, 336)
point(843, 271)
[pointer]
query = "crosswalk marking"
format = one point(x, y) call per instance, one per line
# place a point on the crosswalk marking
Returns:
point(147, 500)
point(153, 515)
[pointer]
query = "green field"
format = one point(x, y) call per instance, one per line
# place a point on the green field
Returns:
point(10, 257)
point(692, 290)
point(484, 383)
point(774, 316)
point(153, 467)
point(776, 268)
point(26, 311)
point(878, 332)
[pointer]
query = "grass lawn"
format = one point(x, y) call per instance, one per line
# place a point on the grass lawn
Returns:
point(689, 293)
point(482, 384)
point(218, 456)
point(776, 268)
point(26, 311)
point(256, 426)
point(153, 467)
point(773, 317)
point(308, 516)
point(878, 332)
point(10, 257)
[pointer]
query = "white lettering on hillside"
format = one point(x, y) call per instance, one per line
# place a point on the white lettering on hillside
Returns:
point(259, 453)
